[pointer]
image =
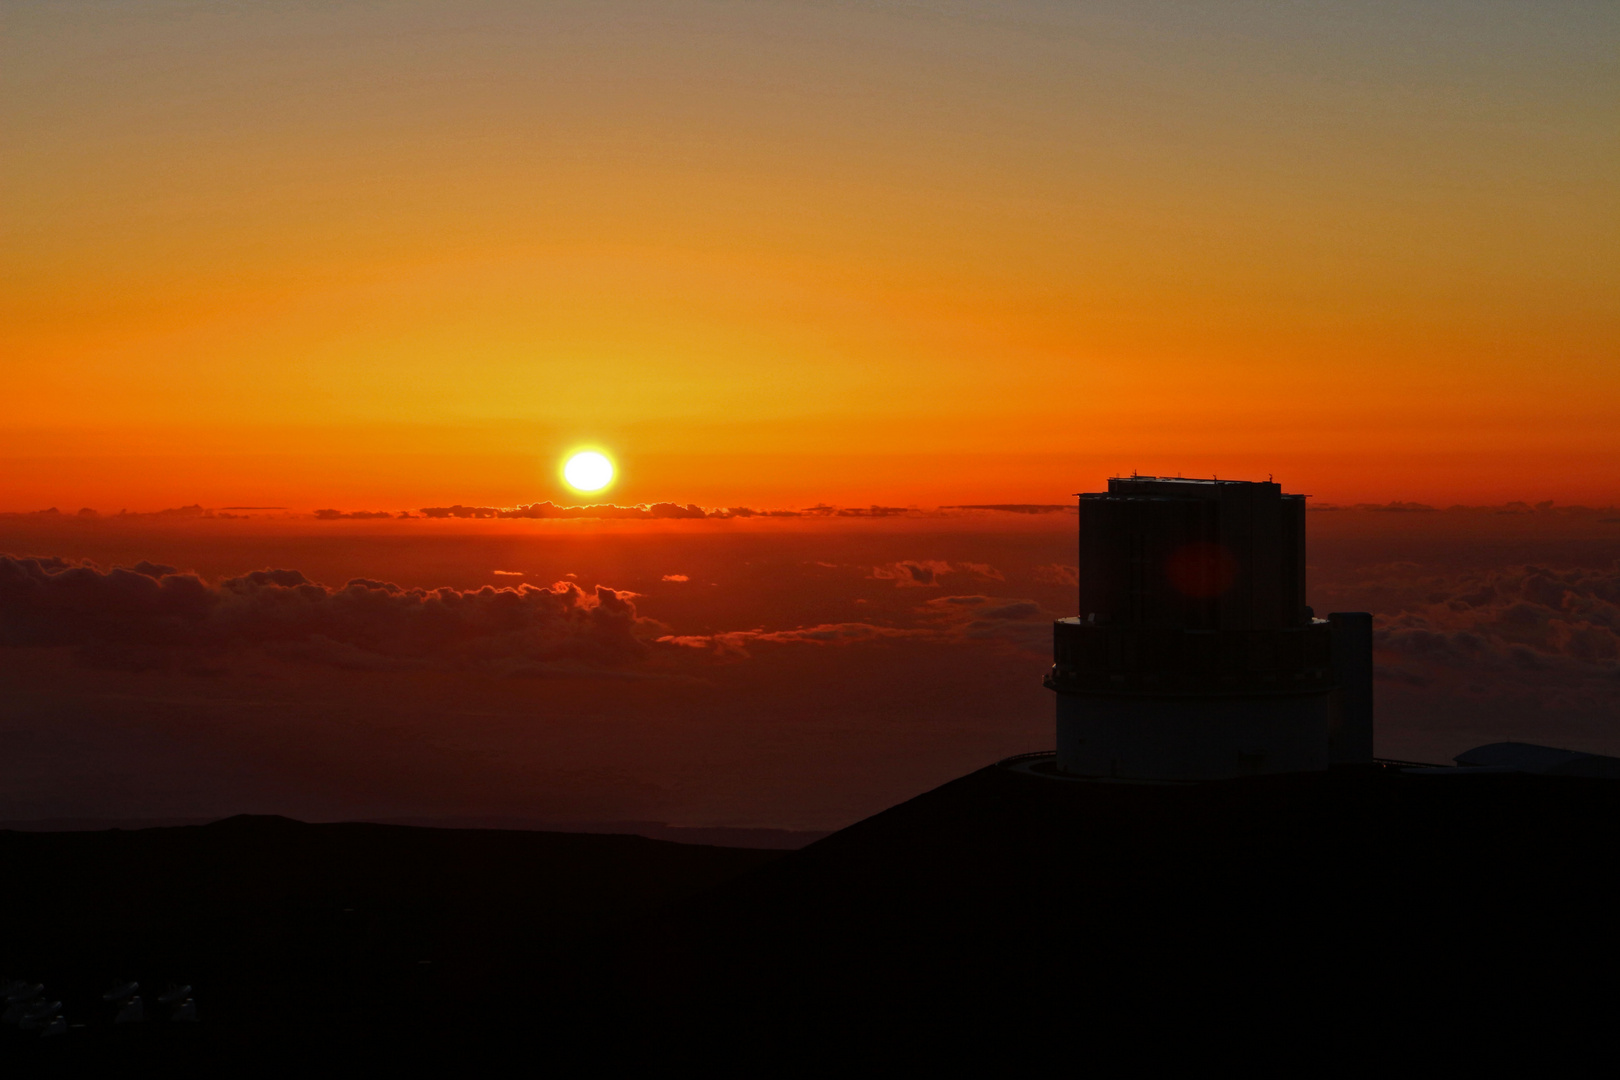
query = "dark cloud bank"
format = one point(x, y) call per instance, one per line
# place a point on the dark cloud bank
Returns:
point(691, 511)
point(666, 511)
point(1526, 637)
point(535, 510)
point(663, 511)
point(1554, 632)
point(768, 690)
point(139, 616)
point(146, 615)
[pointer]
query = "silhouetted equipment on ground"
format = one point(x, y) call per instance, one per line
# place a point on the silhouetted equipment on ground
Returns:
point(308, 941)
point(1194, 656)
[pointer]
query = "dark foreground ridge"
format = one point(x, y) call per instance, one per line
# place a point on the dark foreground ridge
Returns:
point(305, 940)
point(1339, 914)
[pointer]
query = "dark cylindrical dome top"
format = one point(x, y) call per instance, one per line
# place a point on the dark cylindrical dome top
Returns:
point(1192, 555)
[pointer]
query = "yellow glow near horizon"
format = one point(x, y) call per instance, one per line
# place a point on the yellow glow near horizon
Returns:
point(588, 471)
point(795, 252)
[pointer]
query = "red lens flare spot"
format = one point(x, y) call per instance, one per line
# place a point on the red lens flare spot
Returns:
point(1202, 571)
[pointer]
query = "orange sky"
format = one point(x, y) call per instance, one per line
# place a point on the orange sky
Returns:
point(389, 255)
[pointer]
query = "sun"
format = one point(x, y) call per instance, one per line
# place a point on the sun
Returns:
point(588, 471)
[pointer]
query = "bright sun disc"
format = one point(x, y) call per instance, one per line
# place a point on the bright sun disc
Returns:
point(588, 471)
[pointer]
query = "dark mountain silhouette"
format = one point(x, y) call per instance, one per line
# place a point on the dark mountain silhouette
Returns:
point(1336, 915)
point(317, 940)
point(1005, 913)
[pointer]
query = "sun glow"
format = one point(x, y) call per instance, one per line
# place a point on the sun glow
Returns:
point(588, 471)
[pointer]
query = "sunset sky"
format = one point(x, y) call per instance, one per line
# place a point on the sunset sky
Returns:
point(387, 255)
point(273, 273)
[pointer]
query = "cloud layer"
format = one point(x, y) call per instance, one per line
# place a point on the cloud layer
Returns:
point(927, 573)
point(143, 616)
point(138, 616)
point(1556, 631)
point(1021, 623)
point(1522, 614)
point(661, 511)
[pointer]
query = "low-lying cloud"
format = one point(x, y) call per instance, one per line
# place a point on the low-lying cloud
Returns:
point(1018, 508)
point(1516, 615)
point(927, 573)
point(659, 511)
point(357, 515)
point(646, 512)
point(736, 642)
point(1554, 631)
point(137, 617)
point(146, 615)
point(946, 619)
